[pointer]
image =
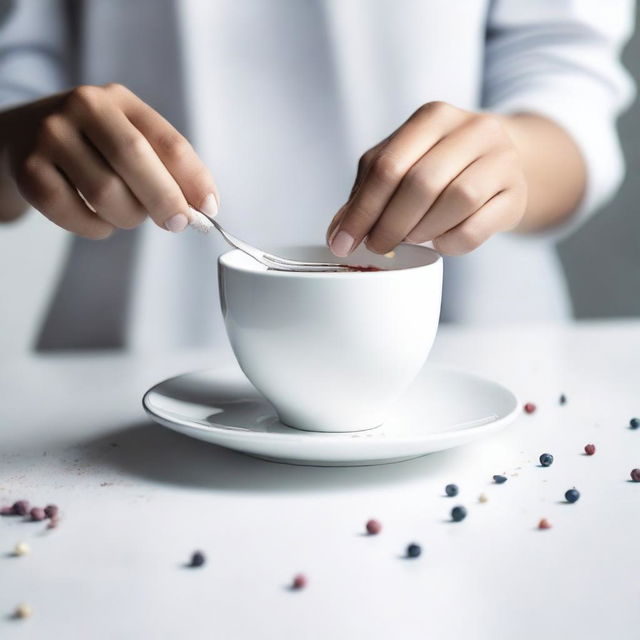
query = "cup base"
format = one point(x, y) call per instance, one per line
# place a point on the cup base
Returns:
point(289, 421)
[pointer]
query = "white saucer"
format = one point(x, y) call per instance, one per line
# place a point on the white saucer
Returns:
point(442, 409)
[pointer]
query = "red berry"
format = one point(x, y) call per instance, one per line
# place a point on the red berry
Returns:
point(51, 510)
point(544, 524)
point(299, 581)
point(589, 449)
point(37, 513)
point(7, 511)
point(635, 475)
point(21, 508)
point(373, 527)
point(529, 407)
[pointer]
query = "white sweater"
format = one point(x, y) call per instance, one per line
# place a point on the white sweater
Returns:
point(281, 97)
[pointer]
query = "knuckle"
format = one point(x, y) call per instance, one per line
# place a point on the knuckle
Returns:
point(468, 238)
point(466, 193)
point(417, 181)
point(28, 169)
point(102, 193)
point(50, 131)
point(387, 169)
point(84, 97)
point(131, 145)
point(115, 88)
point(489, 126)
point(174, 147)
point(436, 107)
point(28, 177)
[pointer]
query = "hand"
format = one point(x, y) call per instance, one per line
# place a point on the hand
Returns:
point(104, 143)
point(446, 175)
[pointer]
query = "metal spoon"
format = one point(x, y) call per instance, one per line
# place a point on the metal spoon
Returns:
point(268, 259)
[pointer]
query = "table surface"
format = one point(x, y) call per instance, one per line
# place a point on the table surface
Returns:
point(136, 499)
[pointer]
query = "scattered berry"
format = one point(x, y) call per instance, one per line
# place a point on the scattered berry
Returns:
point(373, 527)
point(482, 498)
point(413, 550)
point(53, 523)
point(37, 514)
point(635, 475)
point(634, 423)
point(21, 549)
point(451, 490)
point(458, 514)
point(546, 459)
point(23, 611)
point(573, 495)
point(299, 581)
point(529, 407)
point(589, 449)
point(21, 508)
point(51, 510)
point(563, 399)
point(544, 524)
point(7, 511)
point(499, 479)
point(197, 559)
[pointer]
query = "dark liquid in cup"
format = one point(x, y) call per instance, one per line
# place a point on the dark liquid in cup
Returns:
point(369, 267)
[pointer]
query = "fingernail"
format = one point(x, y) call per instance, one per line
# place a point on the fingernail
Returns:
point(199, 222)
point(210, 205)
point(177, 223)
point(333, 234)
point(341, 244)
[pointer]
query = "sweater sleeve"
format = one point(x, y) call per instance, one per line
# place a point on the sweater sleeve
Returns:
point(561, 59)
point(34, 50)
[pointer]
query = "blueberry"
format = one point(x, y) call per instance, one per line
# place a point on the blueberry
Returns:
point(413, 550)
point(451, 490)
point(563, 399)
point(458, 514)
point(499, 479)
point(573, 495)
point(634, 423)
point(197, 559)
point(546, 459)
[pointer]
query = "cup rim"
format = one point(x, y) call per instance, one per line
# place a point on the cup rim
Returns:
point(224, 261)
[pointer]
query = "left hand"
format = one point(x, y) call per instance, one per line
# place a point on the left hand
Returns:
point(446, 175)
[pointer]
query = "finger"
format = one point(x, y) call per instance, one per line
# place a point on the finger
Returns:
point(496, 215)
point(425, 182)
point(47, 190)
point(102, 189)
point(363, 166)
point(334, 223)
point(178, 156)
point(423, 130)
point(131, 156)
point(467, 193)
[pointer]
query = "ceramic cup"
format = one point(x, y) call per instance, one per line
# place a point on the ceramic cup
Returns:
point(332, 351)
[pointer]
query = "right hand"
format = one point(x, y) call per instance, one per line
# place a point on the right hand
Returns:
point(104, 142)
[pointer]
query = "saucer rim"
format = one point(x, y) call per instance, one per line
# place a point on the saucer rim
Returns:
point(342, 437)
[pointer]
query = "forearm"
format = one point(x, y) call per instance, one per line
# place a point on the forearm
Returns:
point(554, 169)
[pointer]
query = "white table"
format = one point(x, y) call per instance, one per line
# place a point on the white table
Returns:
point(137, 499)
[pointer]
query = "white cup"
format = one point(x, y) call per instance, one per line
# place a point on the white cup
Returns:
point(332, 351)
